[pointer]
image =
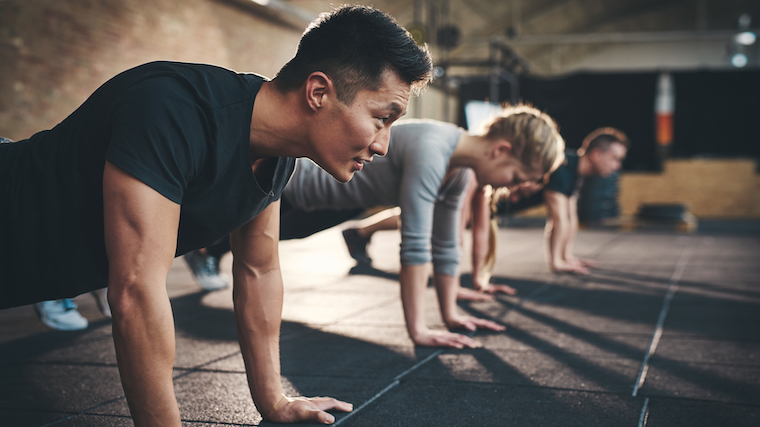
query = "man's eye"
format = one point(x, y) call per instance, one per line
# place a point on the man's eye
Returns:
point(383, 120)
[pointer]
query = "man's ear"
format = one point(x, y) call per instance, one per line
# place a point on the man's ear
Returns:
point(318, 86)
point(593, 154)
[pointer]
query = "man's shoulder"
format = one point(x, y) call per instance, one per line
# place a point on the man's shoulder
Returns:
point(563, 179)
point(205, 80)
point(569, 166)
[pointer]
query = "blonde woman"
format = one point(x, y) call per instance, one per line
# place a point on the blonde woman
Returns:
point(518, 146)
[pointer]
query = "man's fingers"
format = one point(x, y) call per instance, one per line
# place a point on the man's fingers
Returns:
point(316, 415)
point(326, 403)
point(322, 417)
point(313, 409)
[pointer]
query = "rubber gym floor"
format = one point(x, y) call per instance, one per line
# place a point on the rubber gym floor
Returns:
point(666, 332)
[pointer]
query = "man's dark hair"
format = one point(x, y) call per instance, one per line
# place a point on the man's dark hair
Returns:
point(602, 138)
point(354, 45)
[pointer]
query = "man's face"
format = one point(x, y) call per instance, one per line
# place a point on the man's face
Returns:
point(608, 161)
point(349, 135)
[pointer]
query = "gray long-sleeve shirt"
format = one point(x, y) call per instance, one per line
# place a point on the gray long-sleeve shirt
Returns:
point(411, 176)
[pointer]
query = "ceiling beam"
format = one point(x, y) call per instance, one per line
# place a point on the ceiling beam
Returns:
point(626, 37)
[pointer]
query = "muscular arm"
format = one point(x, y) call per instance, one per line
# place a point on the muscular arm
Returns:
point(257, 296)
point(141, 236)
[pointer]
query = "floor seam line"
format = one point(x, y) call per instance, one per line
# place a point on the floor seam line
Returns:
point(672, 289)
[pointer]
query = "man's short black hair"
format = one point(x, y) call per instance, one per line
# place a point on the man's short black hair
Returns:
point(354, 46)
point(602, 138)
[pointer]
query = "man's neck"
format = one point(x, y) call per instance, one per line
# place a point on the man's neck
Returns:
point(585, 168)
point(276, 124)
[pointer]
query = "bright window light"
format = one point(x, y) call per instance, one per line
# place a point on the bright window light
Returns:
point(746, 38)
point(739, 60)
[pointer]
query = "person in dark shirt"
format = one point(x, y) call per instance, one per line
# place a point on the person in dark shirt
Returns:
point(169, 157)
point(601, 154)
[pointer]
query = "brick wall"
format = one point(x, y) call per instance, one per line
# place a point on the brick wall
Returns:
point(54, 54)
point(713, 188)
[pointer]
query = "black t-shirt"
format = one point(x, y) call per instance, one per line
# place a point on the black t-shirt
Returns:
point(565, 179)
point(182, 129)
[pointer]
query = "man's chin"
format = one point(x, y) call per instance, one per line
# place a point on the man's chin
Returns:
point(343, 178)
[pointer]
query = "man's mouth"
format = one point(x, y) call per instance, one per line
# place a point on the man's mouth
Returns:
point(359, 163)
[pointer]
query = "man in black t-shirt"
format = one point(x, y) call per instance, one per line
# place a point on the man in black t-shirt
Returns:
point(601, 154)
point(167, 158)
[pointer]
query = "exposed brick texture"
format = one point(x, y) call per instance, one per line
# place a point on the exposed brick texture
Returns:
point(713, 188)
point(56, 53)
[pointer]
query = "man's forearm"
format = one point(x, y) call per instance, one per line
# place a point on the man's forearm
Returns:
point(557, 239)
point(572, 225)
point(143, 334)
point(140, 227)
point(258, 312)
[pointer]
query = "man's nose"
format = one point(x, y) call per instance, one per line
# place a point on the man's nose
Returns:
point(380, 145)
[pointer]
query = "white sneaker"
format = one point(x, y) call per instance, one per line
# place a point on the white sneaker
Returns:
point(101, 299)
point(205, 270)
point(61, 314)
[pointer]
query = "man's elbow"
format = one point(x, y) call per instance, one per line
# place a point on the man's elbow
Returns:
point(123, 303)
point(129, 293)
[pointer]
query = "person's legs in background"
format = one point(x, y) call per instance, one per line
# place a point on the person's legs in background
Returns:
point(358, 238)
point(61, 315)
point(204, 264)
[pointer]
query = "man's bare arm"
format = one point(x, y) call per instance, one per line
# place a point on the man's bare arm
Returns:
point(141, 237)
point(258, 295)
point(572, 215)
